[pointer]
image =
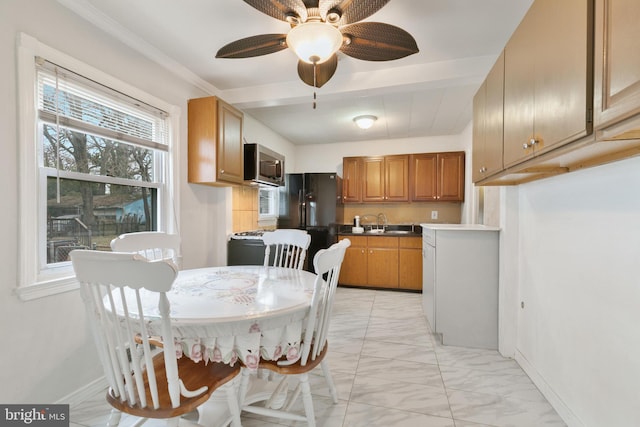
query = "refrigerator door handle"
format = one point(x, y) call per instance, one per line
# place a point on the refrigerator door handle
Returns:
point(302, 209)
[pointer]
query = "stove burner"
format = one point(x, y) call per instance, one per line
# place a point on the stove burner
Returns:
point(254, 234)
point(250, 233)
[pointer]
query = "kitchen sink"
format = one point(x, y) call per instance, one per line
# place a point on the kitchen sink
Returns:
point(381, 231)
point(375, 231)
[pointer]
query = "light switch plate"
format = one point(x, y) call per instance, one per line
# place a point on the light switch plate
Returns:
point(434, 214)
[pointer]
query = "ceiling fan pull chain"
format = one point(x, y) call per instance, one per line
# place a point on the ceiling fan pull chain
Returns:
point(315, 80)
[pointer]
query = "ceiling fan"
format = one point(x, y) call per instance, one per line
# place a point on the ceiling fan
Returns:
point(319, 28)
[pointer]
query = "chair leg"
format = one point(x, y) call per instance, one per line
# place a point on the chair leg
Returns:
point(114, 418)
point(232, 400)
point(307, 400)
point(329, 379)
point(244, 385)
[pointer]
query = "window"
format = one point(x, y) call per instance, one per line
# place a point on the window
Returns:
point(268, 202)
point(96, 158)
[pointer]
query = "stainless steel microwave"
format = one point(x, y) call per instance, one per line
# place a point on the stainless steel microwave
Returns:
point(262, 165)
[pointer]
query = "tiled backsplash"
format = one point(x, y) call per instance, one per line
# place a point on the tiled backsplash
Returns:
point(406, 213)
point(245, 208)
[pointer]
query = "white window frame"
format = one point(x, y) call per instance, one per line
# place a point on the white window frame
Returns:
point(34, 280)
point(274, 196)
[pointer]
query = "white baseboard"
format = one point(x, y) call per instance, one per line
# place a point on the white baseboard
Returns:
point(86, 392)
point(558, 404)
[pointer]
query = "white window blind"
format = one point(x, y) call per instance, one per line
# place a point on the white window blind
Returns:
point(70, 100)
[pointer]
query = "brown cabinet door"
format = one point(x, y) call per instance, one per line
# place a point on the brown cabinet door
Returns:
point(424, 177)
point(396, 180)
point(563, 77)
point(382, 261)
point(354, 265)
point(451, 177)
point(488, 121)
point(230, 149)
point(410, 263)
point(548, 85)
point(617, 50)
point(478, 134)
point(410, 269)
point(519, 94)
point(382, 267)
point(352, 172)
point(373, 179)
point(215, 150)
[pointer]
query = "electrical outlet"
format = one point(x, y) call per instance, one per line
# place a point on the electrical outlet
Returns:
point(434, 214)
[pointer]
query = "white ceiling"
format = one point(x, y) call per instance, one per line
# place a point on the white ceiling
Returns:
point(426, 94)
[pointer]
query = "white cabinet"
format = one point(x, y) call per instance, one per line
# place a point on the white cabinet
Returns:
point(460, 283)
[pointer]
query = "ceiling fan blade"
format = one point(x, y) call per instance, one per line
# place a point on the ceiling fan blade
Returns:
point(374, 41)
point(350, 11)
point(280, 9)
point(323, 72)
point(253, 46)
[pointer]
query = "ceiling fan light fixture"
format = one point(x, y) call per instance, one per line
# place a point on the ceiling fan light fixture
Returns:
point(365, 122)
point(314, 42)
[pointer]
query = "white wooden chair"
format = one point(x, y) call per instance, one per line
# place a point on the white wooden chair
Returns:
point(288, 246)
point(327, 263)
point(150, 244)
point(142, 381)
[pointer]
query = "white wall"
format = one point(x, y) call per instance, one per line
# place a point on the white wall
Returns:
point(580, 282)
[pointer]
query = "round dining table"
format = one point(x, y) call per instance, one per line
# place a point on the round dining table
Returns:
point(222, 314)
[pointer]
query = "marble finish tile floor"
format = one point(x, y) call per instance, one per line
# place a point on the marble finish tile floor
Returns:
point(391, 372)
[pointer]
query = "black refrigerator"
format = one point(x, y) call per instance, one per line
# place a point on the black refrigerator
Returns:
point(311, 201)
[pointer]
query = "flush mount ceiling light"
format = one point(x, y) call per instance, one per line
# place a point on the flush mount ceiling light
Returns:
point(365, 122)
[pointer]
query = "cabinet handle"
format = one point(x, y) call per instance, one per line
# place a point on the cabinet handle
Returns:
point(362, 251)
point(533, 141)
point(221, 170)
point(525, 146)
point(371, 251)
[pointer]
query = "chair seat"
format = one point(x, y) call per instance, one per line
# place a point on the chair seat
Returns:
point(193, 375)
point(295, 368)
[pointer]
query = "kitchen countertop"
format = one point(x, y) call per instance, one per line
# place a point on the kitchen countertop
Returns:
point(473, 227)
point(393, 230)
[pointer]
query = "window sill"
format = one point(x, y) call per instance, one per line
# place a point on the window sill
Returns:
point(47, 288)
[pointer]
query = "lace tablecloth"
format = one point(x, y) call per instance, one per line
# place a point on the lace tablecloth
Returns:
point(236, 312)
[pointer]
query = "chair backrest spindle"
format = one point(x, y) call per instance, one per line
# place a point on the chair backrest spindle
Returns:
point(288, 247)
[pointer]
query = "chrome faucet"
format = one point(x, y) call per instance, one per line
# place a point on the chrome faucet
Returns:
point(382, 218)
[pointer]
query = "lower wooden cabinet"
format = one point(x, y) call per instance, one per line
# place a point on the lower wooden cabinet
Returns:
point(384, 262)
point(410, 263)
point(354, 265)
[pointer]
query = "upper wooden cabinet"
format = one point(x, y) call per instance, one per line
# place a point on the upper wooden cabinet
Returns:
point(215, 142)
point(372, 179)
point(488, 120)
point(548, 79)
point(351, 177)
point(617, 73)
point(376, 179)
point(437, 177)
point(396, 178)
